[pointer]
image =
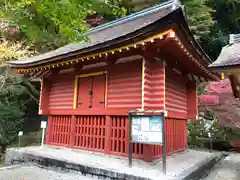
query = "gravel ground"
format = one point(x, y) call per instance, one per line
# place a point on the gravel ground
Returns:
point(37, 173)
point(227, 169)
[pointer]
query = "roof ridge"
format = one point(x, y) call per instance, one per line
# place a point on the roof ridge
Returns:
point(136, 15)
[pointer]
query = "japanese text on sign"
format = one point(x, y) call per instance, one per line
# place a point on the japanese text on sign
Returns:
point(147, 129)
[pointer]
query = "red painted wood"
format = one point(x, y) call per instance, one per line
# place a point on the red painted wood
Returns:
point(60, 129)
point(90, 132)
point(44, 98)
point(72, 131)
point(153, 86)
point(192, 108)
point(176, 94)
point(110, 135)
point(148, 152)
point(84, 85)
point(106, 129)
point(176, 138)
point(61, 92)
point(49, 130)
point(99, 84)
point(119, 137)
point(124, 85)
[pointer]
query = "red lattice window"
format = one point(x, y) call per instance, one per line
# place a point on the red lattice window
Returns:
point(175, 137)
point(119, 137)
point(61, 129)
point(90, 132)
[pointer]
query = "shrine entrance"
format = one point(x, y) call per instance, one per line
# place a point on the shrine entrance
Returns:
point(91, 92)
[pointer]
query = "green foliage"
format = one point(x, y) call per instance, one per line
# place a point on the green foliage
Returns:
point(15, 93)
point(49, 23)
point(199, 16)
point(28, 139)
point(12, 50)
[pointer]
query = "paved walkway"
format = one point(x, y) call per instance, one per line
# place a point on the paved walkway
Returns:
point(36, 173)
point(176, 164)
point(227, 169)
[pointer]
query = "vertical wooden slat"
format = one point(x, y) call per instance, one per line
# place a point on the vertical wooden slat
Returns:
point(72, 131)
point(95, 133)
point(90, 131)
point(98, 128)
point(118, 133)
point(49, 130)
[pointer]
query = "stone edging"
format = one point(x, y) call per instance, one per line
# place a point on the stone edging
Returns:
point(200, 170)
point(23, 157)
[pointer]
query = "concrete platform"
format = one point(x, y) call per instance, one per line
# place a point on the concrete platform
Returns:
point(179, 166)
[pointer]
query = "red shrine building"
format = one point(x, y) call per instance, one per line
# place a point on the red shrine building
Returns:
point(148, 60)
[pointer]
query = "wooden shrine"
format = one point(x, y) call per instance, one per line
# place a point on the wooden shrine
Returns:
point(148, 60)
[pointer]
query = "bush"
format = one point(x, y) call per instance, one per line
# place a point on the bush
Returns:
point(29, 139)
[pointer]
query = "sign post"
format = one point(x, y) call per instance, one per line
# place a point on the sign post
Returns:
point(147, 127)
point(43, 126)
point(130, 139)
point(20, 133)
point(164, 154)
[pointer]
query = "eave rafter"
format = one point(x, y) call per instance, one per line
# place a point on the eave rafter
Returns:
point(105, 55)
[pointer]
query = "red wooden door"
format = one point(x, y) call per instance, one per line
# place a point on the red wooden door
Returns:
point(84, 86)
point(99, 83)
point(91, 92)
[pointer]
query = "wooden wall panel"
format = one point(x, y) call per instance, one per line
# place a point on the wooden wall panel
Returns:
point(60, 127)
point(176, 138)
point(90, 132)
point(192, 101)
point(61, 92)
point(125, 85)
point(176, 94)
point(154, 86)
point(119, 138)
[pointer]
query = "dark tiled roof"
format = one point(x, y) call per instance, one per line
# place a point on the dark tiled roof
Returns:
point(108, 31)
point(230, 54)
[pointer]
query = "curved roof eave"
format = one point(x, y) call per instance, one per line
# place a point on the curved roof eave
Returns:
point(177, 14)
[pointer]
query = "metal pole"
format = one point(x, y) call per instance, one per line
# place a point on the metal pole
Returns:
point(43, 135)
point(164, 146)
point(19, 141)
point(130, 139)
point(210, 140)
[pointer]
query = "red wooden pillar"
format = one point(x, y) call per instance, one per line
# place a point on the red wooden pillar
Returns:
point(72, 131)
point(108, 127)
point(44, 98)
point(192, 101)
point(49, 130)
point(186, 135)
point(148, 153)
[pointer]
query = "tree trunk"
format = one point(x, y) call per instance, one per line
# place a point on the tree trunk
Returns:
point(3, 148)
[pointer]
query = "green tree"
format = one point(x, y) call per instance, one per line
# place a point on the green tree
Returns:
point(15, 93)
point(200, 18)
point(49, 23)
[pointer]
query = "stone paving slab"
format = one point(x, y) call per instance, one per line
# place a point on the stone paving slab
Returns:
point(113, 166)
point(227, 169)
point(29, 172)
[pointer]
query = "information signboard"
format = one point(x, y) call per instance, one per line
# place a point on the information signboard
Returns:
point(147, 129)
